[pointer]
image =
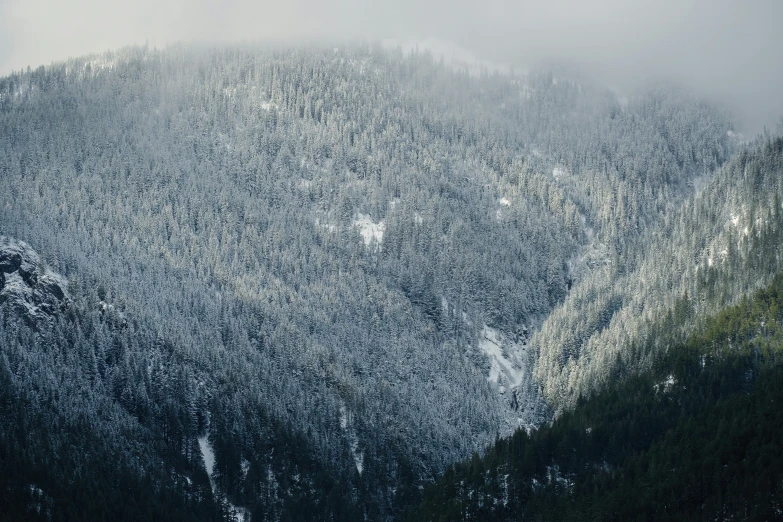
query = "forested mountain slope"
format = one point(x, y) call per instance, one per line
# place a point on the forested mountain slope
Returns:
point(347, 248)
point(695, 437)
point(721, 245)
point(105, 420)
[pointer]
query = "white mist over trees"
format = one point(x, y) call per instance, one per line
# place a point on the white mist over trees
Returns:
point(722, 49)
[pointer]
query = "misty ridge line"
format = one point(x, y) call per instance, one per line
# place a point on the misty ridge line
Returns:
point(447, 53)
point(723, 50)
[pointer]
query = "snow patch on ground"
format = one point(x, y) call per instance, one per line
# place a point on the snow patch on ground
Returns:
point(510, 375)
point(503, 202)
point(209, 458)
point(665, 386)
point(553, 475)
point(236, 513)
point(325, 226)
point(346, 419)
point(369, 230)
point(343, 418)
point(558, 172)
point(41, 501)
point(737, 220)
point(505, 371)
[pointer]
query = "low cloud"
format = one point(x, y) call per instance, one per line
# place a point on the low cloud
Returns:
point(729, 51)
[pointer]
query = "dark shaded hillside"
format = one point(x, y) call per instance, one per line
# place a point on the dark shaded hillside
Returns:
point(696, 438)
point(101, 418)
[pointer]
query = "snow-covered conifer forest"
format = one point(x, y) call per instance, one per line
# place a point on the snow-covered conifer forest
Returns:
point(299, 283)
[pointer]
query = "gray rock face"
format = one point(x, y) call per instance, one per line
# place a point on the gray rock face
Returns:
point(26, 285)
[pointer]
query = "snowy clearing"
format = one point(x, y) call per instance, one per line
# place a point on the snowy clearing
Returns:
point(208, 454)
point(503, 372)
point(370, 231)
point(209, 458)
point(353, 440)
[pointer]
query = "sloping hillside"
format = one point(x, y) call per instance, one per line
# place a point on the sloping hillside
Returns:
point(723, 244)
point(346, 248)
point(696, 437)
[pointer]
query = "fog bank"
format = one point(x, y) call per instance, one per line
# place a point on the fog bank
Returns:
point(729, 51)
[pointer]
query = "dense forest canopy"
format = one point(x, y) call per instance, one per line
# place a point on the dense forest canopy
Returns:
point(718, 247)
point(695, 437)
point(342, 270)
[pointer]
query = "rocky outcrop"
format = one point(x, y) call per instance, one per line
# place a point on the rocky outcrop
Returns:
point(26, 285)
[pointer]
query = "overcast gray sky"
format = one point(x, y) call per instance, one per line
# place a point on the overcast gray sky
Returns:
point(731, 51)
